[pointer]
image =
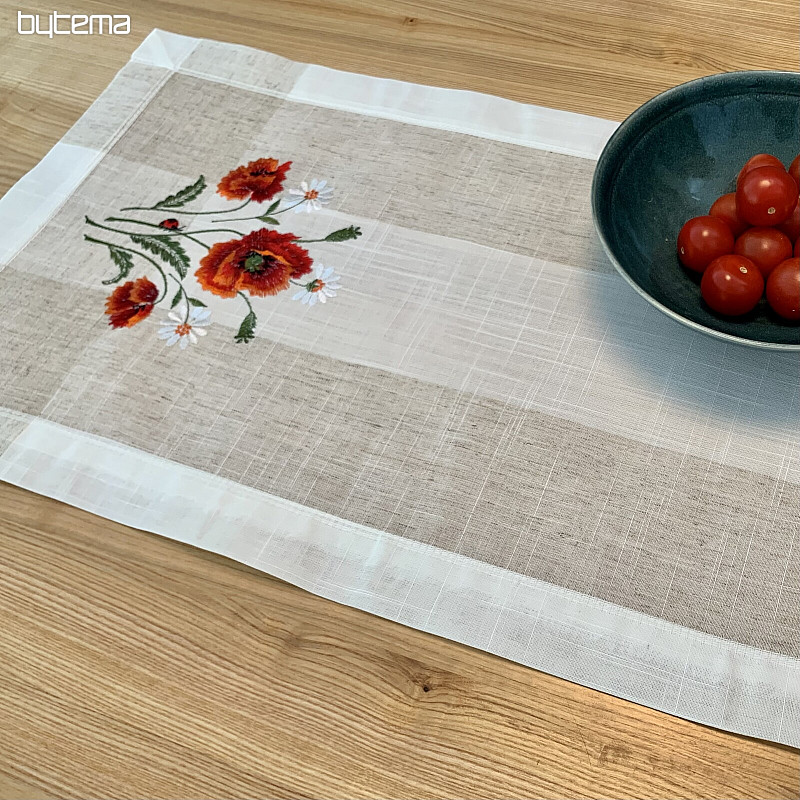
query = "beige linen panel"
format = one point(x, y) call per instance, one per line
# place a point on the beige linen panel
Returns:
point(681, 538)
point(515, 198)
point(662, 531)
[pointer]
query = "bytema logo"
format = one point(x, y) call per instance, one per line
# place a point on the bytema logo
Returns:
point(75, 24)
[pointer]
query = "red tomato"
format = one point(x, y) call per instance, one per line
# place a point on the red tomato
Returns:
point(792, 225)
point(765, 247)
point(725, 209)
point(783, 289)
point(732, 285)
point(701, 240)
point(766, 196)
point(760, 160)
point(797, 248)
point(794, 170)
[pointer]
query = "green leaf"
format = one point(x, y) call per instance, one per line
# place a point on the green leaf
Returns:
point(247, 330)
point(167, 248)
point(124, 262)
point(195, 302)
point(272, 207)
point(270, 220)
point(190, 192)
point(176, 299)
point(344, 234)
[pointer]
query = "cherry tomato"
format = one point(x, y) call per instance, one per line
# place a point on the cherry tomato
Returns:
point(792, 225)
point(794, 170)
point(760, 160)
point(765, 247)
point(701, 240)
point(725, 209)
point(732, 285)
point(797, 248)
point(783, 289)
point(766, 196)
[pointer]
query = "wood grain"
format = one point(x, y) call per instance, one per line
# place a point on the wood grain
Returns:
point(602, 57)
point(132, 666)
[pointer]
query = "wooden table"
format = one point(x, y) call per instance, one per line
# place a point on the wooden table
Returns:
point(133, 666)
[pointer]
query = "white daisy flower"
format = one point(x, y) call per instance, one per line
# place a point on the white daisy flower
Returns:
point(182, 329)
point(324, 285)
point(309, 197)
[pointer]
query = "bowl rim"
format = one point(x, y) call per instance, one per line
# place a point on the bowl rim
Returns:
point(621, 131)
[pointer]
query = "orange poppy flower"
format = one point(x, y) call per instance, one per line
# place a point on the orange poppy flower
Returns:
point(259, 180)
point(260, 263)
point(131, 303)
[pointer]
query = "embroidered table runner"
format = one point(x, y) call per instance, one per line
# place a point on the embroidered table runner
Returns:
point(359, 334)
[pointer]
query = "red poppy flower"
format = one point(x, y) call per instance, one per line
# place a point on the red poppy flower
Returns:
point(131, 303)
point(259, 180)
point(261, 263)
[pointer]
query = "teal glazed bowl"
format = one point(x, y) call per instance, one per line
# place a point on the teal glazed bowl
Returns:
point(668, 162)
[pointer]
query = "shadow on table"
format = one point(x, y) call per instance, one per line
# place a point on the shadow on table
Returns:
point(730, 381)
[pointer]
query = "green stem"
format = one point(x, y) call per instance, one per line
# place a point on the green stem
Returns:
point(289, 208)
point(185, 297)
point(273, 214)
point(184, 211)
point(137, 253)
point(249, 304)
point(137, 222)
point(196, 241)
point(105, 227)
point(164, 231)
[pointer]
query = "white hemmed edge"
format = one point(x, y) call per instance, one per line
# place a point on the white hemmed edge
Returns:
point(36, 196)
point(33, 200)
point(163, 49)
point(457, 110)
point(585, 640)
point(460, 111)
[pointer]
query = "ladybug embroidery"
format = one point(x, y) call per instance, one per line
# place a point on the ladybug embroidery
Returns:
point(172, 224)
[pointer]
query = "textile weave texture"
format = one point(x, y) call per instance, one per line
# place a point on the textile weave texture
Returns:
point(457, 374)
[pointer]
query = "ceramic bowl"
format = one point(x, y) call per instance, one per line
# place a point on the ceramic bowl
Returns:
point(668, 162)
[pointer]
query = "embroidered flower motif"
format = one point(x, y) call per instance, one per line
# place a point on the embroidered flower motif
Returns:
point(309, 197)
point(182, 329)
point(324, 285)
point(131, 302)
point(256, 264)
point(258, 181)
point(261, 263)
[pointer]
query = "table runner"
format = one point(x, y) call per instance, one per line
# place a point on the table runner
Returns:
point(359, 334)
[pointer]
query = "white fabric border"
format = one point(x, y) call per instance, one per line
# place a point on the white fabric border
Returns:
point(30, 203)
point(163, 49)
point(588, 641)
point(38, 194)
point(483, 115)
point(487, 116)
point(582, 639)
